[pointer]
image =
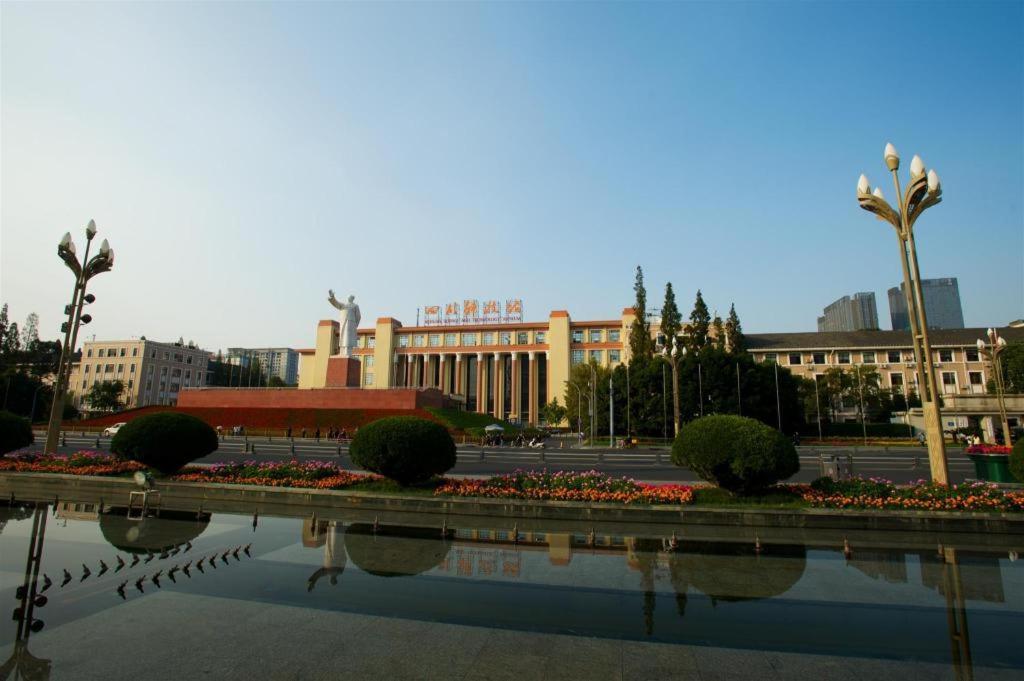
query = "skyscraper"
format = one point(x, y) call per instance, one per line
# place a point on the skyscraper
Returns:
point(850, 313)
point(941, 305)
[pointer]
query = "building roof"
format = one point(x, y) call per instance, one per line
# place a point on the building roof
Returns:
point(871, 339)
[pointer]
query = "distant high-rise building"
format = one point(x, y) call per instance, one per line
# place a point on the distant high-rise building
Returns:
point(941, 305)
point(850, 313)
point(280, 362)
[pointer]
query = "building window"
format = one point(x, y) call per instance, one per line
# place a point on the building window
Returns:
point(88, 353)
point(108, 369)
point(368, 380)
point(135, 352)
point(152, 353)
point(121, 353)
point(945, 355)
point(85, 369)
point(450, 339)
point(867, 357)
point(908, 357)
point(614, 357)
point(971, 355)
point(818, 358)
point(131, 369)
point(434, 340)
point(188, 360)
point(489, 338)
point(403, 341)
point(974, 378)
point(368, 361)
point(577, 357)
point(522, 338)
point(794, 358)
point(167, 355)
point(896, 381)
point(469, 339)
point(844, 357)
point(577, 336)
point(595, 335)
point(505, 338)
point(613, 335)
point(419, 341)
point(540, 337)
point(596, 355)
point(371, 342)
point(771, 357)
point(120, 368)
point(100, 353)
point(893, 356)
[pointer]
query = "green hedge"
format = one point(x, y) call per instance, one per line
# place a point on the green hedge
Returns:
point(900, 430)
point(15, 432)
point(165, 441)
point(1017, 460)
point(405, 449)
point(739, 454)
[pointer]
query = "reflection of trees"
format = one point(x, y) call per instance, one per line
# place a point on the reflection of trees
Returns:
point(727, 571)
point(331, 536)
point(646, 557)
point(979, 576)
point(151, 534)
point(16, 512)
point(888, 564)
point(394, 551)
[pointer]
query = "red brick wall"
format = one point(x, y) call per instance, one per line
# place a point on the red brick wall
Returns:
point(317, 398)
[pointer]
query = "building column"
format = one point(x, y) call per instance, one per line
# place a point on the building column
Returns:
point(499, 384)
point(481, 384)
point(393, 381)
point(458, 374)
point(515, 406)
point(442, 375)
point(533, 392)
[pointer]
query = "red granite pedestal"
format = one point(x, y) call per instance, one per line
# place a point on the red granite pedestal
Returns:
point(342, 372)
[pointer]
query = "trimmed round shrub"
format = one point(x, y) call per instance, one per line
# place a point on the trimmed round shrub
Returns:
point(15, 432)
point(1017, 460)
point(738, 454)
point(405, 449)
point(165, 441)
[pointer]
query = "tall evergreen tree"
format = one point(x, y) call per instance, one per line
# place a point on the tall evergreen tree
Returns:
point(734, 340)
point(700, 324)
point(640, 344)
point(671, 320)
point(30, 334)
point(718, 332)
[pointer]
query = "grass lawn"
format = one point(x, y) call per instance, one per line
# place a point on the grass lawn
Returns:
point(461, 420)
point(385, 486)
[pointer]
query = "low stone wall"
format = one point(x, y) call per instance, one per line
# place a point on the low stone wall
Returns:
point(311, 398)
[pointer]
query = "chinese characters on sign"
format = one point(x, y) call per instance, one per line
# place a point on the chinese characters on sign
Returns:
point(472, 312)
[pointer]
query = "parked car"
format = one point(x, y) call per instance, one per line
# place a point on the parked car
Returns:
point(112, 430)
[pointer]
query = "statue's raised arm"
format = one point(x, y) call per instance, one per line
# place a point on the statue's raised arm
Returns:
point(332, 300)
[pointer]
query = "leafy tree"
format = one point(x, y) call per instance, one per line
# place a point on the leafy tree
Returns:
point(30, 334)
point(671, 320)
point(276, 382)
point(553, 413)
point(105, 395)
point(1012, 359)
point(700, 324)
point(640, 344)
point(718, 332)
point(734, 340)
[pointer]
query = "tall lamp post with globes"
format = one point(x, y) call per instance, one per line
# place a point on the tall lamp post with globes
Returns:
point(923, 192)
point(99, 263)
point(991, 352)
point(672, 358)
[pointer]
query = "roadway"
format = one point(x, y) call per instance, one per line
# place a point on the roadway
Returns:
point(899, 464)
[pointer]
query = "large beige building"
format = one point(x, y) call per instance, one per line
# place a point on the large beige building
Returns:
point(510, 370)
point(153, 373)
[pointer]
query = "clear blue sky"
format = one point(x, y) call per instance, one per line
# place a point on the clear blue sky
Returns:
point(244, 158)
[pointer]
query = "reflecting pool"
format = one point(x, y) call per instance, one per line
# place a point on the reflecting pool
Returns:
point(97, 595)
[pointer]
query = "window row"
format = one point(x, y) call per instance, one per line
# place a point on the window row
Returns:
point(596, 335)
point(869, 357)
point(437, 340)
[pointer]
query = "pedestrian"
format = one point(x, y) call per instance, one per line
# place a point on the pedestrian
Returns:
point(922, 439)
point(303, 433)
point(288, 433)
point(317, 435)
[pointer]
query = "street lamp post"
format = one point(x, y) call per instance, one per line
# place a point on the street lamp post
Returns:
point(923, 192)
point(991, 351)
point(99, 263)
point(817, 405)
point(672, 357)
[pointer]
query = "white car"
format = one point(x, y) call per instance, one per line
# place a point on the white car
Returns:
point(112, 430)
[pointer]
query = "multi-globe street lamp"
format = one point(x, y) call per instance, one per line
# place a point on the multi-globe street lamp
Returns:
point(672, 357)
point(83, 270)
point(991, 351)
point(923, 192)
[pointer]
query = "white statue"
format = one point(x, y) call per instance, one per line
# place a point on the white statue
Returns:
point(349, 320)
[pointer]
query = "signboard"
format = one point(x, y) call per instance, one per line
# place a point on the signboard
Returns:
point(473, 312)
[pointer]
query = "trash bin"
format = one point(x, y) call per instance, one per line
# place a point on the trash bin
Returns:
point(992, 467)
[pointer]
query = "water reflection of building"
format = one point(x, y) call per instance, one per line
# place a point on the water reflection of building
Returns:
point(979, 573)
point(331, 536)
point(73, 510)
point(468, 559)
point(880, 564)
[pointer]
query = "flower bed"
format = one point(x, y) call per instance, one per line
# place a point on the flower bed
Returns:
point(988, 449)
point(567, 486)
point(312, 474)
point(79, 463)
point(876, 493)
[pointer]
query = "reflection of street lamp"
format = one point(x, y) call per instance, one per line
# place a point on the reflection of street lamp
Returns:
point(992, 350)
point(102, 262)
point(923, 192)
point(817, 405)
